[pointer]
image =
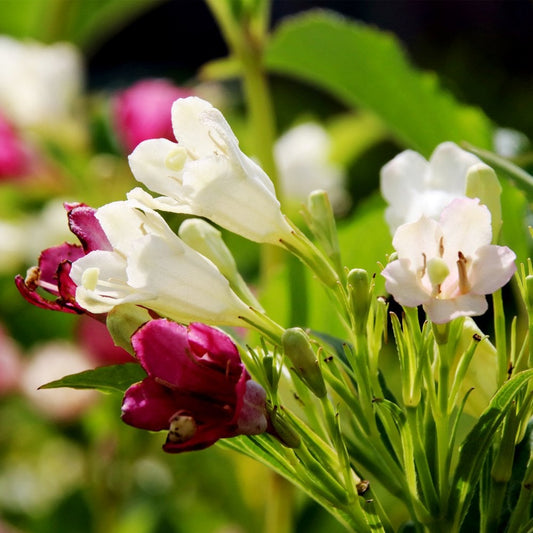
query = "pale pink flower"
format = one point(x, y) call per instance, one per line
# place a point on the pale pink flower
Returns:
point(448, 266)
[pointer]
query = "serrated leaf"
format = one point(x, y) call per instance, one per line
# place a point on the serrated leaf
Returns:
point(113, 378)
point(477, 445)
point(366, 67)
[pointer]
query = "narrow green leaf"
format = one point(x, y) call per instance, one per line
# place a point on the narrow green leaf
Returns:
point(366, 67)
point(477, 445)
point(113, 378)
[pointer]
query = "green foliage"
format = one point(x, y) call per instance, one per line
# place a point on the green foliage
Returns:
point(366, 67)
point(113, 378)
point(82, 22)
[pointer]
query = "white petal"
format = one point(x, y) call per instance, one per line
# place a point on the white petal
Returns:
point(466, 227)
point(189, 129)
point(449, 165)
point(403, 284)
point(403, 176)
point(147, 163)
point(417, 240)
point(492, 268)
point(443, 311)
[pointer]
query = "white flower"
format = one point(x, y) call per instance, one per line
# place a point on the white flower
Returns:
point(206, 174)
point(302, 157)
point(414, 187)
point(151, 266)
point(39, 83)
point(448, 266)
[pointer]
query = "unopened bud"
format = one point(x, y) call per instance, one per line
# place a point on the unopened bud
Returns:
point(298, 349)
point(283, 430)
point(359, 294)
point(482, 183)
point(207, 240)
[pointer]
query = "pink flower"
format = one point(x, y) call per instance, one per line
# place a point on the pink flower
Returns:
point(449, 265)
point(52, 272)
point(143, 111)
point(15, 156)
point(197, 387)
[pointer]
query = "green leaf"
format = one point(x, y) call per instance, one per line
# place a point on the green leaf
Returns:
point(366, 67)
point(477, 444)
point(113, 378)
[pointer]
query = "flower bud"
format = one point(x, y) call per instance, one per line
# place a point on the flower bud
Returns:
point(359, 294)
point(298, 349)
point(123, 321)
point(482, 183)
point(282, 429)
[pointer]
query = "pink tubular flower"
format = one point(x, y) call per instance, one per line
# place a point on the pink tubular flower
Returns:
point(52, 272)
point(197, 387)
point(143, 111)
point(449, 266)
point(15, 157)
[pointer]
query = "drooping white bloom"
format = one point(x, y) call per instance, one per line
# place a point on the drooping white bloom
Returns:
point(151, 266)
point(302, 156)
point(413, 186)
point(206, 174)
point(449, 265)
point(39, 83)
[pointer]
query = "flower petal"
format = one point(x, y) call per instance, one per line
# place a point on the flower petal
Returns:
point(147, 163)
point(466, 227)
point(148, 405)
point(83, 223)
point(449, 165)
point(403, 283)
point(418, 240)
point(492, 267)
point(445, 310)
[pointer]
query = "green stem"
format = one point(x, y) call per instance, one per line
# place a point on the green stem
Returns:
point(500, 336)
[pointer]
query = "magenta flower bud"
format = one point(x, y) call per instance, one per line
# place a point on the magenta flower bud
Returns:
point(52, 272)
point(197, 388)
point(143, 111)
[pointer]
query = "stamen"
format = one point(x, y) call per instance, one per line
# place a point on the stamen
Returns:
point(441, 246)
point(464, 284)
point(182, 428)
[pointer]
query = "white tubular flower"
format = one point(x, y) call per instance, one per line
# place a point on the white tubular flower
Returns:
point(414, 187)
point(302, 156)
point(449, 266)
point(206, 174)
point(151, 266)
point(39, 83)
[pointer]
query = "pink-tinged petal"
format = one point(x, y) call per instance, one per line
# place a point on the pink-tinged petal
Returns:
point(466, 226)
point(403, 284)
point(443, 311)
point(33, 297)
point(83, 223)
point(50, 260)
point(492, 267)
point(219, 346)
point(252, 417)
point(160, 346)
point(449, 165)
point(165, 353)
point(403, 174)
point(417, 240)
point(148, 405)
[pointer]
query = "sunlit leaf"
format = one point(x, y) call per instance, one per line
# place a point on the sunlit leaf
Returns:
point(113, 378)
point(366, 67)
